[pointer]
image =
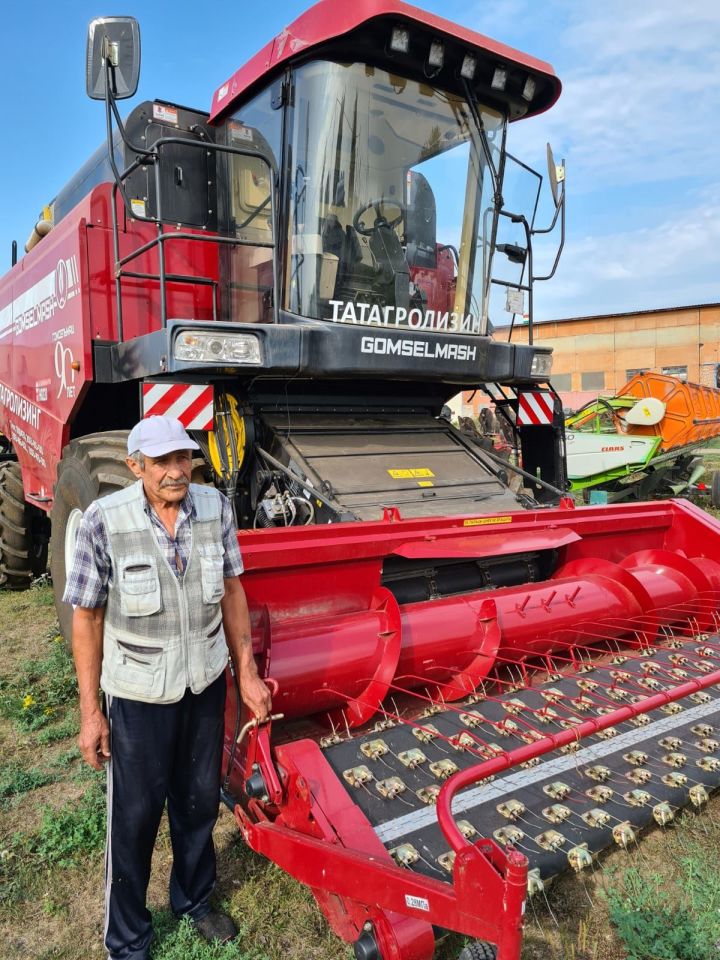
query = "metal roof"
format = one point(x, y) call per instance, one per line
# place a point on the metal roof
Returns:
point(629, 313)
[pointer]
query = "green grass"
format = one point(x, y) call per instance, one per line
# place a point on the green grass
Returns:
point(16, 779)
point(178, 941)
point(65, 728)
point(41, 691)
point(660, 921)
point(42, 593)
point(77, 830)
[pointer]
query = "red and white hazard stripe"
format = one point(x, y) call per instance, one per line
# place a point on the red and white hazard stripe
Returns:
point(190, 403)
point(535, 409)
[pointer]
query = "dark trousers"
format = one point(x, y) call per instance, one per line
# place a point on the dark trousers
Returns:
point(160, 752)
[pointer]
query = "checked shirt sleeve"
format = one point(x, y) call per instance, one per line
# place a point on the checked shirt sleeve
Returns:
point(87, 579)
point(232, 561)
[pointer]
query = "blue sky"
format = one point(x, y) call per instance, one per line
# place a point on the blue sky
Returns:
point(638, 123)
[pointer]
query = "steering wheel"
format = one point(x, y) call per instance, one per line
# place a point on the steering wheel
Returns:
point(380, 220)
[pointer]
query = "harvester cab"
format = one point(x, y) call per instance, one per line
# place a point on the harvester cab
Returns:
point(351, 285)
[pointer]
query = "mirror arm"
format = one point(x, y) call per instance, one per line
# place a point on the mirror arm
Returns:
point(537, 231)
point(110, 111)
point(561, 208)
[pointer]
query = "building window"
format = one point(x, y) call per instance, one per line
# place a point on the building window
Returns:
point(562, 382)
point(633, 373)
point(593, 381)
point(679, 372)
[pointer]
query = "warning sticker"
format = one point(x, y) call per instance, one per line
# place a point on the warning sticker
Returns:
point(425, 483)
point(241, 132)
point(164, 114)
point(485, 521)
point(416, 474)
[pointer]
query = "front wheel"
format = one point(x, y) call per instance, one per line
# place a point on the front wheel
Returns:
point(478, 950)
point(715, 489)
point(90, 468)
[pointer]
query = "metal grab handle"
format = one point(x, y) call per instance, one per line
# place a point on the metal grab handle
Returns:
point(251, 724)
point(254, 722)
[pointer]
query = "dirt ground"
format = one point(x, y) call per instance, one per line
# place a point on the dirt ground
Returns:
point(50, 911)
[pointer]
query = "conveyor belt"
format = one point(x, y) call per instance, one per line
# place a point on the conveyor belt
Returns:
point(669, 757)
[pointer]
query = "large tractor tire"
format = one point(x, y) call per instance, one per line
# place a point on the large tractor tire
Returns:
point(23, 542)
point(91, 467)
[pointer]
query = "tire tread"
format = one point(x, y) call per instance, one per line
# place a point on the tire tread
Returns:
point(15, 534)
point(478, 950)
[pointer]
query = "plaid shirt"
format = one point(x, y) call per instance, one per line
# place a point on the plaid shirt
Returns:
point(87, 580)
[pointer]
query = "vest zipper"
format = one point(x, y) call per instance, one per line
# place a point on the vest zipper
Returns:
point(126, 657)
point(183, 608)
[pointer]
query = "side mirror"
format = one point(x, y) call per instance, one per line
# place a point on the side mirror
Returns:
point(117, 41)
point(556, 174)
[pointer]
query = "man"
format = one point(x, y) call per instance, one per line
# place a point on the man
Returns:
point(157, 597)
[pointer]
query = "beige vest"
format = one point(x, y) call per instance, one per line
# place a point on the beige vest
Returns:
point(162, 633)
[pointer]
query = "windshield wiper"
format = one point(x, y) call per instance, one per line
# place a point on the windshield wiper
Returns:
point(485, 143)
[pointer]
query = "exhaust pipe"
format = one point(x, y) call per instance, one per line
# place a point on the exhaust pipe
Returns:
point(41, 229)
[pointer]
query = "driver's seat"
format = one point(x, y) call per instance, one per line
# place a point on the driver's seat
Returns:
point(421, 225)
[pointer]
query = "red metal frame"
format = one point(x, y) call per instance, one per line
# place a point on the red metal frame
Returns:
point(604, 593)
point(319, 836)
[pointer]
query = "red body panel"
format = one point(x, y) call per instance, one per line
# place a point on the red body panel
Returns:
point(44, 331)
point(331, 18)
point(59, 299)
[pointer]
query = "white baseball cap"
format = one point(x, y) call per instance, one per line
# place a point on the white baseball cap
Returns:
point(156, 436)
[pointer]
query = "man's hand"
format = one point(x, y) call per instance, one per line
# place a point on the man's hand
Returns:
point(255, 694)
point(87, 638)
point(94, 739)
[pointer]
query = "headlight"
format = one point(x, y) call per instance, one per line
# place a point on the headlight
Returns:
point(541, 365)
point(207, 347)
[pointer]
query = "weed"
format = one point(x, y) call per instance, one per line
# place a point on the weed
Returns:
point(42, 690)
point(653, 929)
point(14, 780)
point(62, 730)
point(42, 593)
point(73, 832)
point(178, 941)
point(67, 758)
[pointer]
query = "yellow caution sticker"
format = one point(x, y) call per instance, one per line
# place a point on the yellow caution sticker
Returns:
point(425, 483)
point(415, 474)
point(484, 521)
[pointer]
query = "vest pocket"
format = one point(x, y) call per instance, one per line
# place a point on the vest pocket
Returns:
point(211, 569)
point(139, 586)
point(137, 671)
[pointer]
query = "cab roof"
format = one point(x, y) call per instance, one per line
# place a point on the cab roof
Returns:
point(331, 20)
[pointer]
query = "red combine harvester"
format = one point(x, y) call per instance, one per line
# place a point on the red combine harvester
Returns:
point(304, 277)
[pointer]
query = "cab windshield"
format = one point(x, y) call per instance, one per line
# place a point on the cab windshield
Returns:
point(391, 202)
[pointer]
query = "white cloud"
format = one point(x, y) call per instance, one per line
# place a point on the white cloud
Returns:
point(640, 97)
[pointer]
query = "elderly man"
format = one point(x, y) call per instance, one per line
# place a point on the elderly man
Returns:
point(157, 604)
